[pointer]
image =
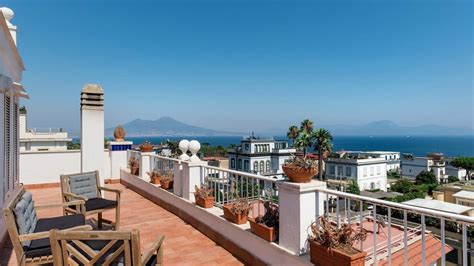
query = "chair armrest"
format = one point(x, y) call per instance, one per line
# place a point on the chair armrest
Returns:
point(74, 196)
point(45, 234)
point(65, 204)
point(157, 245)
point(118, 191)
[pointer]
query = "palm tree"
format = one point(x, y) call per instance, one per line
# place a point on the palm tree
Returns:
point(293, 133)
point(304, 141)
point(307, 125)
point(322, 143)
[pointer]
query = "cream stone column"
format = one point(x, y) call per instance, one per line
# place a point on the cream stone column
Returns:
point(192, 171)
point(92, 129)
point(145, 164)
point(178, 178)
point(299, 205)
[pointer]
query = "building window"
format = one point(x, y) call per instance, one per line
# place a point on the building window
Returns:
point(255, 166)
point(246, 165)
point(364, 171)
point(239, 164)
point(372, 185)
point(372, 171)
point(246, 147)
point(378, 170)
point(348, 171)
point(339, 170)
point(332, 170)
point(232, 163)
point(262, 166)
point(268, 166)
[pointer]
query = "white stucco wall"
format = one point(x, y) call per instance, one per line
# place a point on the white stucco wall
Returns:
point(46, 167)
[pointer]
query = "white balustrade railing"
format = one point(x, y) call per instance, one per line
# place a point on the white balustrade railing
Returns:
point(163, 165)
point(401, 223)
point(135, 154)
point(229, 185)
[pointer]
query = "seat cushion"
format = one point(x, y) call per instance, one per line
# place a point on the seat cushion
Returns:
point(41, 247)
point(25, 215)
point(84, 185)
point(100, 203)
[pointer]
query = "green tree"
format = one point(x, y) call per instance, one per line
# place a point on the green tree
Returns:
point(452, 179)
point(306, 125)
point(426, 177)
point(402, 186)
point(465, 163)
point(304, 141)
point(323, 144)
point(293, 133)
point(353, 188)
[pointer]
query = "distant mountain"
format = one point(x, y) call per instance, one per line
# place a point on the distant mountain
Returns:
point(389, 128)
point(166, 126)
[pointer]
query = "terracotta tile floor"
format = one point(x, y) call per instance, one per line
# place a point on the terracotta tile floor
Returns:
point(184, 245)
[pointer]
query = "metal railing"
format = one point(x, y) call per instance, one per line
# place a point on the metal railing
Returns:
point(164, 165)
point(229, 186)
point(402, 224)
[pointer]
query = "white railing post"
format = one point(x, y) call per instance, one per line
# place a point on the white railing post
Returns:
point(191, 176)
point(145, 161)
point(299, 205)
point(118, 157)
point(178, 178)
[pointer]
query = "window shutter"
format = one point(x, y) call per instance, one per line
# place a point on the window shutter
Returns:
point(15, 146)
point(7, 143)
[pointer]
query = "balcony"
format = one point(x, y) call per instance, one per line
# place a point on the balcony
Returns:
point(397, 233)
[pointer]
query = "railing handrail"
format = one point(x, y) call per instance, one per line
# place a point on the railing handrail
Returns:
point(167, 158)
point(400, 206)
point(242, 173)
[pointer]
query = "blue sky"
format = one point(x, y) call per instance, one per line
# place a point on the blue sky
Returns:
point(250, 65)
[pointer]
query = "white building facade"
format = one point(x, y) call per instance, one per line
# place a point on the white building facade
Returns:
point(260, 156)
point(11, 90)
point(370, 173)
point(32, 139)
point(435, 163)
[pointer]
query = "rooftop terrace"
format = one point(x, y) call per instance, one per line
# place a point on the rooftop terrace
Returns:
point(184, 245)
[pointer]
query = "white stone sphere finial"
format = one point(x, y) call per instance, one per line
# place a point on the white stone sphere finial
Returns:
point(184, 146)
point(7, 13)
point(194, 147)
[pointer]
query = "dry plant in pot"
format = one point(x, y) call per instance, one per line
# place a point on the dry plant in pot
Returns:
point(330, 245)
point(300, 169)
point(134, 166)
point(166, 181)
point(155, 177)
point(266, 226)
point(237, 211)
point(146, 146)
point(204, 196)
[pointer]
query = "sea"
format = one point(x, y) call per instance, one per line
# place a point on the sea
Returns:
point(451, 146)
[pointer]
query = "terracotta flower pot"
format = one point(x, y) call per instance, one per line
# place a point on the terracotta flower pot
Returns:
point(205, 202)
point(146, 149)
point(166, 184)
point(263, 231)
point(240, 218)
point(299, 174)
point(323, 257)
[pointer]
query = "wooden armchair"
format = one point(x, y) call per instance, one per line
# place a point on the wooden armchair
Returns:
point(86, 187)
point(29, 235)
point(103, 248)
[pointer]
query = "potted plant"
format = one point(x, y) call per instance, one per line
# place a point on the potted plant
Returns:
point(146, 146)
point(204, 196)
point(266, 226)
point(237, 211)
point(166, 181)
point(330, 245)
point(300, 169)
point(155, 177)
point(134, 166)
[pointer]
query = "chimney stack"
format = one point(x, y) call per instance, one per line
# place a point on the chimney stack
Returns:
point(92, 129)
point(8, 15)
